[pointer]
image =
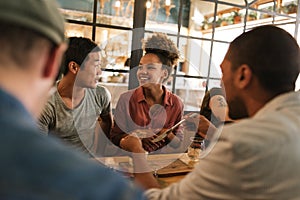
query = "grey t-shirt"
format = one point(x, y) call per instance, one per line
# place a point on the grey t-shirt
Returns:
point(76, 126)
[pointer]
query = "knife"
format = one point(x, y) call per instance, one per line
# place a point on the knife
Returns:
point(165, 134)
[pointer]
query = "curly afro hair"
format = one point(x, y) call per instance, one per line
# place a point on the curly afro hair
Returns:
point(162, 46)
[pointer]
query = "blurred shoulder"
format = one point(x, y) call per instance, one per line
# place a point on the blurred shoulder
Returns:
point(216, 91)
point(102, 90)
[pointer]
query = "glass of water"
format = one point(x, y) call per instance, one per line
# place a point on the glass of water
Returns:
point(195, 148)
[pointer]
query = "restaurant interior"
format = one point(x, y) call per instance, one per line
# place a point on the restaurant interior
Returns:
point(201, 29)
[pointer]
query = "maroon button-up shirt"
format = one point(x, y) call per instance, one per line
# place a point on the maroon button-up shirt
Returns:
point(132, 113)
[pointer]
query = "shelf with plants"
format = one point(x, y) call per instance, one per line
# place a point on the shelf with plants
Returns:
point(252, 23)
point(234, 17)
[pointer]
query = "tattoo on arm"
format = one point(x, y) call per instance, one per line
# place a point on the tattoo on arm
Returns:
point(222, 102)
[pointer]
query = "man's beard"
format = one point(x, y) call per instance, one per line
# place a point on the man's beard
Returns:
point(237, 109)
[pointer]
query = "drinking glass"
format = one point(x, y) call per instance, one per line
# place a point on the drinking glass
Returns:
point(195, 148)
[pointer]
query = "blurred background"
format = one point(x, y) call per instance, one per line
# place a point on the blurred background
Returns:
point(201, 29)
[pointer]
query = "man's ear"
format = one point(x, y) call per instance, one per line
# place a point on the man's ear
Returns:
point(166, 73)
point(244, 76)
point(73, 67)
point(54, 61)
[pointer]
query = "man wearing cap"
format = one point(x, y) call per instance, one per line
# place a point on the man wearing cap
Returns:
point(34, 166)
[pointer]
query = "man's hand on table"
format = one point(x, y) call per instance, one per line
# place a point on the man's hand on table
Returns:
point(142, 172)
point(132, 144)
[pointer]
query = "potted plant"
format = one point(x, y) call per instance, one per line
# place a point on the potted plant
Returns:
point(237, 17)
point(220, 22)
point(289, 8)
point(206, 24)
point(252, 16)
point(267, 14)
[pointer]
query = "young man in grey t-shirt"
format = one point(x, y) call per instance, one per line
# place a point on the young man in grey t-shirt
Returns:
point(79, 104)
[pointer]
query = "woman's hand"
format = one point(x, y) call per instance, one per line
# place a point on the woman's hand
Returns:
point(150, 146)
point(153, 146)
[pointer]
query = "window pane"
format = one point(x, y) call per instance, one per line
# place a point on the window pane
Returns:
point(228, 16)
point(161, 13)
point(115, 44)
point(201, 13)
point(157, 19)
point(191, 91)
point(289, 28)
point(197, 58)
point(115, 12)
point(219, 51)
point(289, 7)
point(80, 10)
point(78, 30)
point(236, 2)
point(228, 33)
point(269, 8)
point(213, 83)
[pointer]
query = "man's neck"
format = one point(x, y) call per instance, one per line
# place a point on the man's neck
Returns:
point(72, 95)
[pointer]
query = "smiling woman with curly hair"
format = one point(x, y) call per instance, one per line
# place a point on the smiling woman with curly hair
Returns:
point(151, 108)
point(164, 48)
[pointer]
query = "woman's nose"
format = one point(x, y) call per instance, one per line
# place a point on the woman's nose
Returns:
point(143, 70)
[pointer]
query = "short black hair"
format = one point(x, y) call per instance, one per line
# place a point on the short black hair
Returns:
point(79, 48)
point(271, 53)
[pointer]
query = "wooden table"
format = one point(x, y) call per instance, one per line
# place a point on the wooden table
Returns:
point(172, 167)
point(166, 181)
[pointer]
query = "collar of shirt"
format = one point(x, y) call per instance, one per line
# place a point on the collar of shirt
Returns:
point(167, 97)
point(285, 100)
